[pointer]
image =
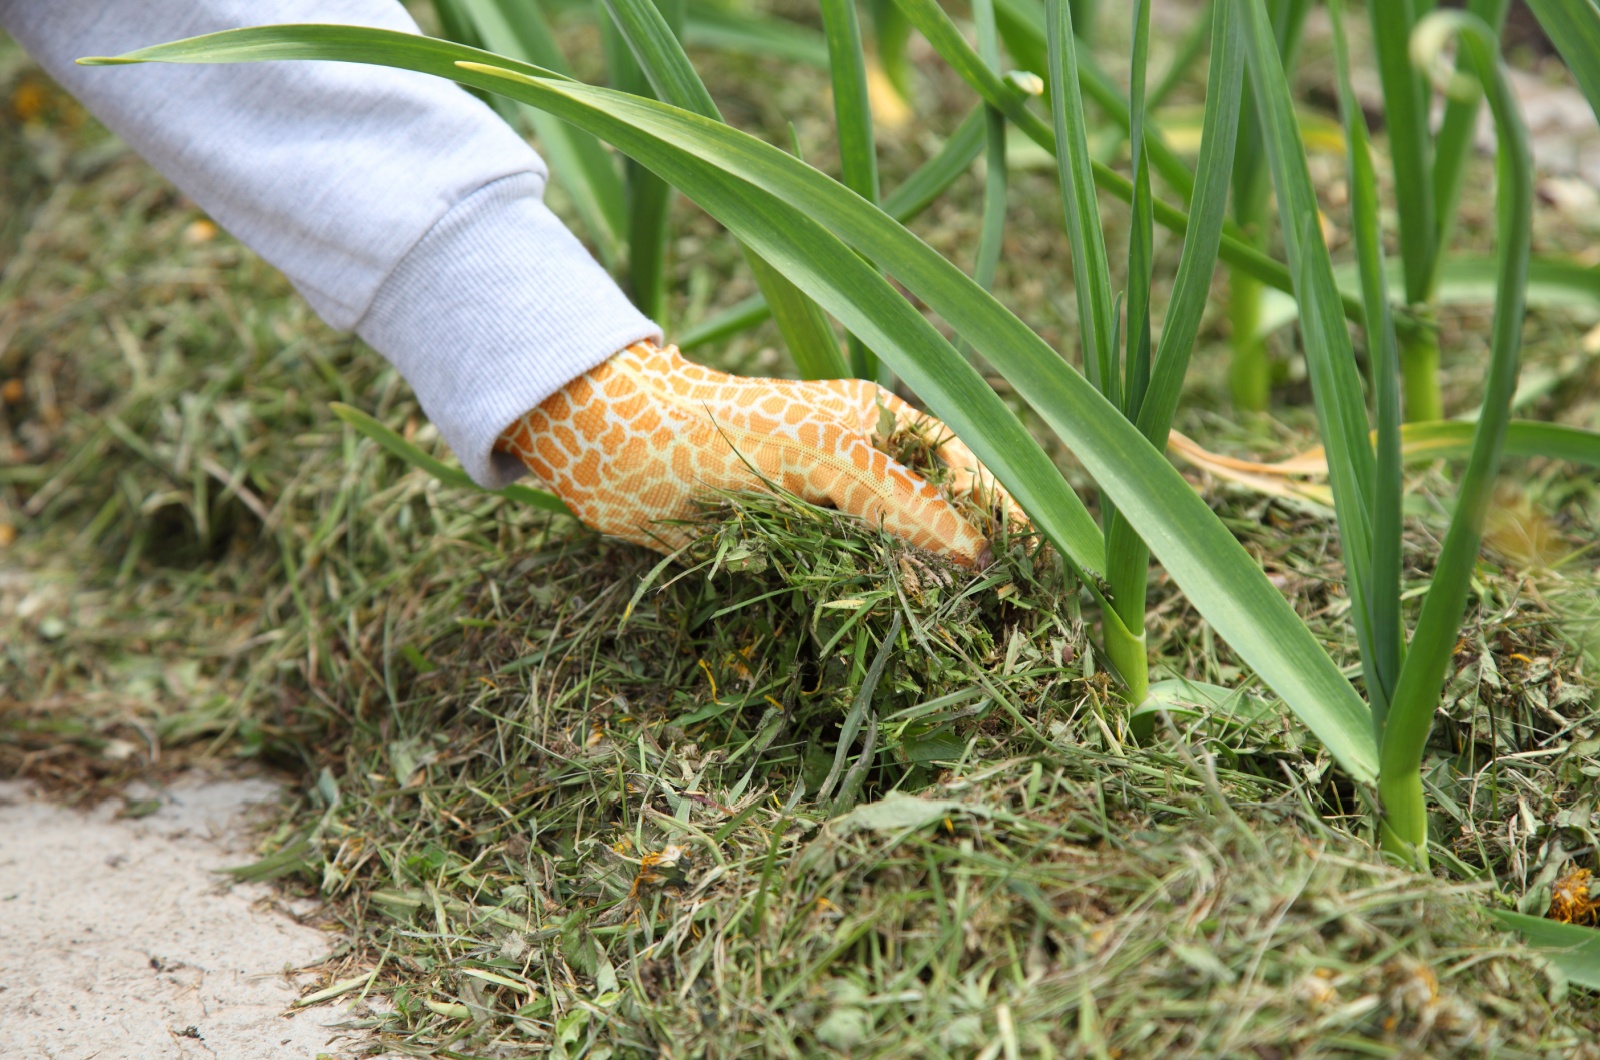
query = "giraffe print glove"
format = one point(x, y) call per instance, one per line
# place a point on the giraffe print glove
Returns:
point(632, 442)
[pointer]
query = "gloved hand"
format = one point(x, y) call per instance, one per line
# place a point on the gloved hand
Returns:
point(632, 442)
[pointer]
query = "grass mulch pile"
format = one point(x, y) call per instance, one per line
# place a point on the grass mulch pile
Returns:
point(800, 791)
point(634, 830)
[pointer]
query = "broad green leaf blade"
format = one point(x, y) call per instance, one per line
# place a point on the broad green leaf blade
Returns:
point(1553, 283)
point(1405, 111)
point(1229, 709)
point(805, 329)
point(1091, 274)
point(1573, 948)
point(913, 195)
point(333, 43)
point(1433, 644)
point(1214, 570)
point(654, 43)
point(450, 476)
point(1289, 24)
point(1336, 388)
point(1383, 360)
point(1251, 179)
point(578, 162)
point(1573, 26)
point(649, 197)
point(852, 109)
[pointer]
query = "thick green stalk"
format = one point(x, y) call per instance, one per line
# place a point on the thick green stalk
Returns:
point(1403, 827)
point(1383, 655)
point(1127, 556)
point(1249, 369)
point(1191, 288)
point(995, 181)
point(1419, 368)
point(1127, 650)
point(1098, 325)
point(649, 210)
point(1141, 238)
point(1404, 830)
point(801, 322)
point(1419, 356)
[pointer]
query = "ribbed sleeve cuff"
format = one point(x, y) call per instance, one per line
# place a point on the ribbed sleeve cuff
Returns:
point(494, 310)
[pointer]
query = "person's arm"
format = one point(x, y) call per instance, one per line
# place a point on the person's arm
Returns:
point(404, 208)
point(399, 205)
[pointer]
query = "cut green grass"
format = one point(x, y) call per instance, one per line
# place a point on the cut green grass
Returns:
point(437, 662)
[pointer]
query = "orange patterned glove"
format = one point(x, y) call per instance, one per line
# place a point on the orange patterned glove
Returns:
point(632, 442)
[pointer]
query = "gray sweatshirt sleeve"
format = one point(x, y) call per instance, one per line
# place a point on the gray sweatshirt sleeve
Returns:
point(398, 204)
